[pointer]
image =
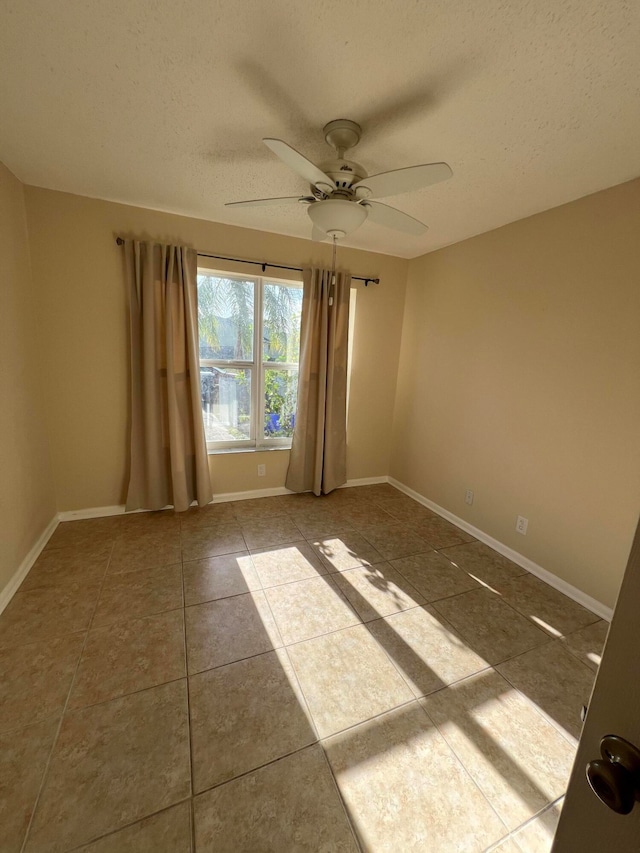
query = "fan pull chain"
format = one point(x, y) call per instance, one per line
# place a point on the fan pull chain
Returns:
point(333, 271)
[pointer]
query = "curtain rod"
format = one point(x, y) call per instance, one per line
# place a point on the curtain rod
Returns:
point(367, 279)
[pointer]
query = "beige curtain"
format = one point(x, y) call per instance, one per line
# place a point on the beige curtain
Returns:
point(319, 448)
point(168, 450)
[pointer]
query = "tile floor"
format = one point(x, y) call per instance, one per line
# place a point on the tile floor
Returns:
point(287, 674)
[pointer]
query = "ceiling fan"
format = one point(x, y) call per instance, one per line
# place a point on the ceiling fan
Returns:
point(342, 195)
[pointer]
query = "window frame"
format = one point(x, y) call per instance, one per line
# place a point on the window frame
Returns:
point(257, 441)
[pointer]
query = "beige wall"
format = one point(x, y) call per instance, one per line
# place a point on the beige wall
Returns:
point(78, 270)
point(27, 497)
point(520, 379)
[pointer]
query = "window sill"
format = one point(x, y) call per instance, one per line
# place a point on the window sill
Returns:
point(224, 450)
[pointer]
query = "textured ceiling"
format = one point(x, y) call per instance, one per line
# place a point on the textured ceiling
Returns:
point(163, 103)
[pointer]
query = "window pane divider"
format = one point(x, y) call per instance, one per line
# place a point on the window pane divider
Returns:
point(257, 439)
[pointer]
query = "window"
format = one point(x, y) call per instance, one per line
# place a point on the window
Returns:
point(249, 331)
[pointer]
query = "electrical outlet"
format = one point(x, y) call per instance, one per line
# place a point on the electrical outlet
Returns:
point(468, 496)
point(521, 525)
point(262, 470)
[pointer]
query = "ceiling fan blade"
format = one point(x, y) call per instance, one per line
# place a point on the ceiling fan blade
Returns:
point(382, 214)
point(299, 163)
point(267, 202)
point(318, 235)
point(405, 180)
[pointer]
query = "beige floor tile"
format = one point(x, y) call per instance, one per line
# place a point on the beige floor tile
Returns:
point(555, 681)
point(160, 521)
point(394, 540)
point(434, 576)
point(301, 510)
point(128, 595)
point(346, 551)
point(290, 504)
point(406, 510)
point(537, 835)
point(285, 504)
point(346, 678)
point(269, 531)
point(224, 538)
point(309, 608)
point(397, 499)
point(47, 612)
point(366, 515)
point(207, 516)
point(376, 591)
point(287, 563)
point(508, 845)
point(35, 680)
point(376, 492)
point(426, 649)
point(520, 762)
point(350, 496)
point(166, 832)
point(229, 629)
point(145, 550)
point(483, 563)
point(318, 523)
point(23, 757)
point(489, 626)
point(90, 531)
point(440, 533)
point(289, 805)
point(219, 577)
point(243, 716)
point(258, 509)
point(62, 565)
point(113, 764)
point(130, 656)
point(406, 791)
point(552, 611)
point(587, 643)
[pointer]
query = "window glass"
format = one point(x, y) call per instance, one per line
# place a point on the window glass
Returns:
point(280, 395)
point(225, 318)
point(249, 342)
point(226, 403)
point(281, 310)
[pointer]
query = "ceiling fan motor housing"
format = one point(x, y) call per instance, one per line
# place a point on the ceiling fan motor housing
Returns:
point(344, 173)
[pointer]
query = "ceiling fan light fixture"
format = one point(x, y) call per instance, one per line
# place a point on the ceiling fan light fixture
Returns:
point(337, 217)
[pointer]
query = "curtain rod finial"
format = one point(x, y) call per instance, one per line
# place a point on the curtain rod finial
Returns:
point(119, 241)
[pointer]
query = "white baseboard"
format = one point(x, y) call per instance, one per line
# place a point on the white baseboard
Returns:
point(365, 481)
point(222, 497)
point(561, 585)
point(93, 512)
point(23, 569)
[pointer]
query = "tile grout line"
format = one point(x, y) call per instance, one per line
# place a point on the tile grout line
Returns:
point(511, 835)
point(565, 734)
point(345, 807)
point(293, 670)
point(192, 827)
point(318, 742)
point(245, 773)
point(110, 833)
point(466, 771)
point(451, 746)
point(62, 715)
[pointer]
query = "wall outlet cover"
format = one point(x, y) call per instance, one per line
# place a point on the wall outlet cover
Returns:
point(468, 496)
point(262, 470)
point(521, 525)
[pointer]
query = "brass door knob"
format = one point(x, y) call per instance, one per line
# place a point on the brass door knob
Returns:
point(615, 778)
